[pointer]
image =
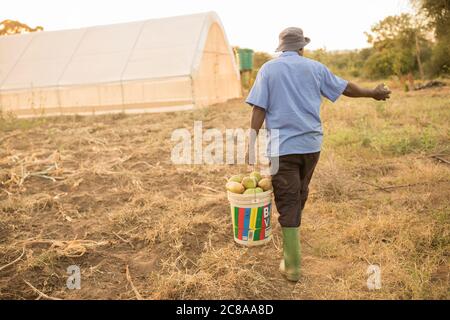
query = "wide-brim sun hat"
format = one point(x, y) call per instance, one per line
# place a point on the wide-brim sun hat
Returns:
point(292, 39)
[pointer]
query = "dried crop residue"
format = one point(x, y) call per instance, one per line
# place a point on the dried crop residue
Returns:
point(102, 193)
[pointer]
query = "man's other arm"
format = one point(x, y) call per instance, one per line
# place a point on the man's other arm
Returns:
point(258, 116)
point(380, 93)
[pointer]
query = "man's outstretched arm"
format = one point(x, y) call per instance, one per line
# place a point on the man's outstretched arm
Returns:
point(380, 93)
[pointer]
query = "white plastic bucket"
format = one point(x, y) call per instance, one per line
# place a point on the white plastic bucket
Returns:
point(251, 216)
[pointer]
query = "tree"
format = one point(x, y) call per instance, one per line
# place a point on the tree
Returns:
point(380, 65)
point(259, 58)
point(9, 27)
point(438, 14)
point(400, 46)
point(346, 63)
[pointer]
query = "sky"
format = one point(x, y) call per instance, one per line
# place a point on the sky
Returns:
point(256, 24)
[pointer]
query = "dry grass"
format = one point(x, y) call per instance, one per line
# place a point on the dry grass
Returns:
point(101, 193)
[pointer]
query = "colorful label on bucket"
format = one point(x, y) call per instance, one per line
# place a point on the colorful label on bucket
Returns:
point(251, 224)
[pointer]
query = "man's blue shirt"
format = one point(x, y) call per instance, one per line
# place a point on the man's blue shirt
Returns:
point(290, 89)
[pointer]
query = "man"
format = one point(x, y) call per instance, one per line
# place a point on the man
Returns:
point(287, 95)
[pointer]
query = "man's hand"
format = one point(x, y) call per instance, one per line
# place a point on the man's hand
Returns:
point(250, 156)
point(247, 157)
point(381, 93)
point(250, 163)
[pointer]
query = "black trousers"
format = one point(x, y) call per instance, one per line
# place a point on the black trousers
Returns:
point(291, 186)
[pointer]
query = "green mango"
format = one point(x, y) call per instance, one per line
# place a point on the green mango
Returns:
point(235, 187)
point(256, 175)
point(249, 183)
point(265, 184)
point(237, 178)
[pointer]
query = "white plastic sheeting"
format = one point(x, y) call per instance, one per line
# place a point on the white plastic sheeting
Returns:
point(163, 64)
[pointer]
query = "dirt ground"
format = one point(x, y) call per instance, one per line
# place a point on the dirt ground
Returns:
point(101, 193)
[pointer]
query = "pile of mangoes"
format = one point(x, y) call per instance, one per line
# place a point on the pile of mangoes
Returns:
point(251, 184)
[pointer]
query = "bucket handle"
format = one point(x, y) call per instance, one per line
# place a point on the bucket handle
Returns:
point(255, 200)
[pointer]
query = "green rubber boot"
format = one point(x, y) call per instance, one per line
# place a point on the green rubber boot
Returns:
point(290, 265)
